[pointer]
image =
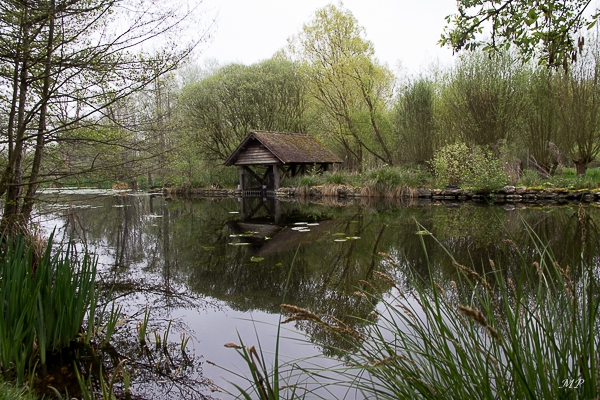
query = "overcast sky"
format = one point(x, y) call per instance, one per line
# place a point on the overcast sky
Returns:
point(402, 31)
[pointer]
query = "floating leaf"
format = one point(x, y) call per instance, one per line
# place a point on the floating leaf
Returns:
point(352, 237)
point(339, 234)
point(422, 233)
point(256, 259)
point(278, 264)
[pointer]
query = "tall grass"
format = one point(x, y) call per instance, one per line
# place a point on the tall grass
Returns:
point(491, 335)
point(393, 181)
point(45, 297)
point(485, 337)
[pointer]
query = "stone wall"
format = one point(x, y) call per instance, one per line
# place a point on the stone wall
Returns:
point(506, 194)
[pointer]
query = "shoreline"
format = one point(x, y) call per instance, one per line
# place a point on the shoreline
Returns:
point(507, 194)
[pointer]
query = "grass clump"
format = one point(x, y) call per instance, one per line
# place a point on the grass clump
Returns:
point(45, 297)
point(393, 181)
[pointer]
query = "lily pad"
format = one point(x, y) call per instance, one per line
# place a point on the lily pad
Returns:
point(256, 259)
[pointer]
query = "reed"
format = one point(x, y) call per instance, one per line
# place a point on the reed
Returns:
point(494, 334)
point(496, 339)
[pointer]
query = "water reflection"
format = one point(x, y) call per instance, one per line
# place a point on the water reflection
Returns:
point(234, 255)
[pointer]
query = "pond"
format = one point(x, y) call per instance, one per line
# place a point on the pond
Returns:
point(215, 271)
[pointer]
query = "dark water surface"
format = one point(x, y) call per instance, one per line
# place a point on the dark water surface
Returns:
point(218, 268)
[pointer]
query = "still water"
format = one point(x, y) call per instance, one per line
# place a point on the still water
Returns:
point(215, 271)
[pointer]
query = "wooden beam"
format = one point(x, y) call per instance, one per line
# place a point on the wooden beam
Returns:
point(276, 176)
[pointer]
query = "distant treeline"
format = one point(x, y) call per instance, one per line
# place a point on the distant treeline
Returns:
point(495, 110)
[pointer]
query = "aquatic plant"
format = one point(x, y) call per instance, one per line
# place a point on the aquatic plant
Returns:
point(45, 297)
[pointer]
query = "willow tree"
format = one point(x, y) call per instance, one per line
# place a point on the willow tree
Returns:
point(541, 123)
point(482, 100)
point(219, 111)
point(351, 89)
point(414, 121)
point(63, 63)
point(579, 110)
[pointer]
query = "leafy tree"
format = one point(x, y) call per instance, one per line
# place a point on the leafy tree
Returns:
point(63, 63)
point(352, 91)
point(546, 28)
point(482, 101)
point(414, 121)
point(579, 110)
point(541, 124)
point(219, 111)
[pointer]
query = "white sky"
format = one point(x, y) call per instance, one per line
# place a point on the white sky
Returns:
point(405, 31)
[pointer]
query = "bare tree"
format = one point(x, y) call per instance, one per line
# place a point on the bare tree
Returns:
point(63, 64)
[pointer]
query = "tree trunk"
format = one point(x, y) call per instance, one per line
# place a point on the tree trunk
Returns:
point(581, 166)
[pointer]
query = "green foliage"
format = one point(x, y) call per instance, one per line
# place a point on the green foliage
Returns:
point(565, 178)
point(45, 297)
point(349, 90)
point(482, 99)
point(474, 167)
point(342, 178)
point(388, 179)
point(538, 30)
point(414, 121)
point(308, 181)
point(219, 111)
point(12, 392)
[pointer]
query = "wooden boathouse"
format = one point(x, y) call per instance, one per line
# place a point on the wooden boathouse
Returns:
point(264, 158)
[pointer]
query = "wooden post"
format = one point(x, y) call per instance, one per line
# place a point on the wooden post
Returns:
point(276, 176)
point(241, 174)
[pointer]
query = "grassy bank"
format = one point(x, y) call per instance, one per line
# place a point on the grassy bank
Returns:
point(394, 181)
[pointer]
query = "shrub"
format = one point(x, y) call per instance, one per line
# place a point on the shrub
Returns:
point(475, 167)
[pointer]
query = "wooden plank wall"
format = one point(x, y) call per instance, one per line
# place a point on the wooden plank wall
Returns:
point(256, 154)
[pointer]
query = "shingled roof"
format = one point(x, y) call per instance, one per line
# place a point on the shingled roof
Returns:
point(288, 148)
